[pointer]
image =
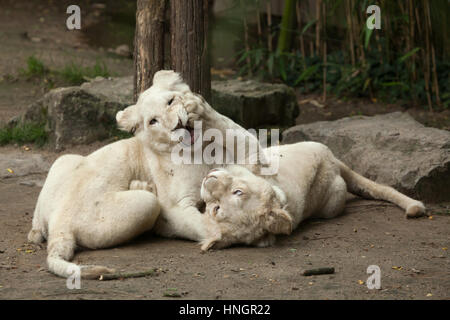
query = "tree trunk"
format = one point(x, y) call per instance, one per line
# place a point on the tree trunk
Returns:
point(148, 43)
point(189, 37)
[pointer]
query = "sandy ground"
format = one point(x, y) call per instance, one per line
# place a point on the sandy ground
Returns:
point(412, 256)
point(38, 28)
point(411, 253)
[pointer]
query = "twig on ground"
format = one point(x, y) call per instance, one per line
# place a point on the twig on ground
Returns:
point(115, 276)
point(318, 271)
point(372, 205)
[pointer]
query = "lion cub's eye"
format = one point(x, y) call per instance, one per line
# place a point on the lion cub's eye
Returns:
point(152, 122)
point(238, 192)
point(170, 102)
point(216, 210)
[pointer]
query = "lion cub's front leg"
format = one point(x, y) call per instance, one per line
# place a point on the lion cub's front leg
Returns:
point(143, 185)
point(199, 110)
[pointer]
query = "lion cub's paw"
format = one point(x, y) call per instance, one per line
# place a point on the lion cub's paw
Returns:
point(143, 185)
point(198, 109)
point(35, 236)
point(415, 210)
point(193, 107)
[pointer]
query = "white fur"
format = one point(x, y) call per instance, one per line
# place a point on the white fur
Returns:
point(311, 182)
point(96, 201)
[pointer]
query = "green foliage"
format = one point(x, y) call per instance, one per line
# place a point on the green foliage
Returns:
point(75, 74)
point(388, 81)
point(395, 63)
point(26, 133)
point(286, 26)
point(35, 68)
point(71, 74)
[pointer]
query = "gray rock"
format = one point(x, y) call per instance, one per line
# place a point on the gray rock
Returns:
point(28, 183)
point(22, 165)
point(113, 90)
point(83, 114)
point(254, 104)
point(79, 115)
point(33, 183)
point(123, 50)
point(393, 149)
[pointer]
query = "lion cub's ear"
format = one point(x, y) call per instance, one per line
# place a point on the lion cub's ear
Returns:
point(170, 80)
point(129, 119)
point(278, 221)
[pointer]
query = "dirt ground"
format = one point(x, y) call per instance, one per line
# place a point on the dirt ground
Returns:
point(412, 254)
point(38, 28)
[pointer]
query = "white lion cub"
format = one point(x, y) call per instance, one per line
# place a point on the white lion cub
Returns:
point(245, 208)
point(108, 197)
point(96, 201)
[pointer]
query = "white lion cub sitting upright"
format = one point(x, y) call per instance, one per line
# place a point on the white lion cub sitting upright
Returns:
point(245, 208)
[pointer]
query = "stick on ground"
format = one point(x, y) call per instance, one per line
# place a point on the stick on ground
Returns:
point(318, 271)
point(115, 276)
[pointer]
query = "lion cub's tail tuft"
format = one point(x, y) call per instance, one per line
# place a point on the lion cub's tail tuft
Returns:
point(61, 250)
point(361, 186)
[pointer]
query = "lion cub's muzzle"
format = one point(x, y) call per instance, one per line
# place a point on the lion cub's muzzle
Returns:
point(215, 184)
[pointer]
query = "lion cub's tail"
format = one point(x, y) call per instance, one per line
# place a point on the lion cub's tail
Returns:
point(61, 250)
point(361, 186)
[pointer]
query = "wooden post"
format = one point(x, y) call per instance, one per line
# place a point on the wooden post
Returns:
point(148, 43)
point(189, 35)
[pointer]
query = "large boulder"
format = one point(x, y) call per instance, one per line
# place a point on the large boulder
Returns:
point(18, 164)
point(255, 104)
point(393, 149)
point(83, 114)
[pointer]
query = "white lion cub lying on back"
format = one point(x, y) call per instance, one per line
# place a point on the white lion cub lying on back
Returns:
point(245, 208)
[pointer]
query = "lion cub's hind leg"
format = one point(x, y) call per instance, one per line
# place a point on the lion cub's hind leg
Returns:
point(119, 217)
point(61, 248)
point(37, 233)
point(35, 236)
point(337, 195)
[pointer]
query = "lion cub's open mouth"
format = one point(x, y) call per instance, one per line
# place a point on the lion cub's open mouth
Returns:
point(188, 128)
